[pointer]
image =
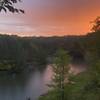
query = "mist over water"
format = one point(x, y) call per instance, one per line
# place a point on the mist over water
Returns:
point(28, 85)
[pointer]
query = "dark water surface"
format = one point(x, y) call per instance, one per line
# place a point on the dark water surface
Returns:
point(29, 84)
point(20, 87)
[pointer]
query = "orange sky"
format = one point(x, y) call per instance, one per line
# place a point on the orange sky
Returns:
point(51, 17)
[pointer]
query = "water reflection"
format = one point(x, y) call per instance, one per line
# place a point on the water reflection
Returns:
point(25, 85)
point(29, 84)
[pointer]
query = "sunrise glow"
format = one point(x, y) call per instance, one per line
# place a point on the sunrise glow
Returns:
point(51, 17)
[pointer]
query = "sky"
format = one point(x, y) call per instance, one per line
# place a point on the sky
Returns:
point(50, 18)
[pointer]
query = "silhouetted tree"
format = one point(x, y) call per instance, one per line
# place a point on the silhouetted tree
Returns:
point(96, 24)
point(9, 5)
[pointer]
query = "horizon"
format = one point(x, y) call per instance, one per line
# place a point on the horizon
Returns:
point(50, 18)
point(44, 36)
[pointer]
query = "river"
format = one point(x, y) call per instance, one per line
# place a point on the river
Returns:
point(28, 85)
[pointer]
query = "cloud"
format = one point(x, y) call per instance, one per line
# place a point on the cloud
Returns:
point(50, 17)
point(15, 28)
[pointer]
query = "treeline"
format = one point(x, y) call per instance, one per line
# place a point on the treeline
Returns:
point(17, 52)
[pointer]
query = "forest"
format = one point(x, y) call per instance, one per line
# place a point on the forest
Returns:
point(16, 52)
point(84, 85)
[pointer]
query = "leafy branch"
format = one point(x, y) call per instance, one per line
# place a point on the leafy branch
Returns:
point(9, 5)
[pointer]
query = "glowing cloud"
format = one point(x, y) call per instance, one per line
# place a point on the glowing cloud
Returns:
point(51, 17)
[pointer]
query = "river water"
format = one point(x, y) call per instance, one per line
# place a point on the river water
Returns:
point(28, 85)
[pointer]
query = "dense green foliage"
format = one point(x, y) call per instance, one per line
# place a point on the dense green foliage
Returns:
point(17, 52)
point(60, 69)
point(86, 85)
